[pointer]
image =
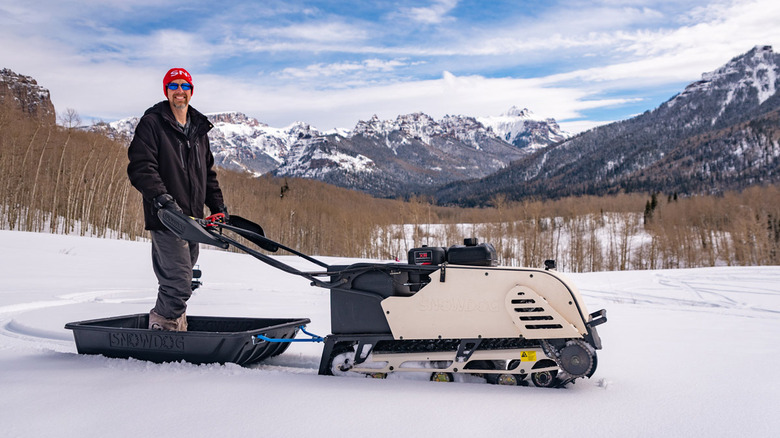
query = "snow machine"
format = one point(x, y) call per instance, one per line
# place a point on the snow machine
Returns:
point(445, 312)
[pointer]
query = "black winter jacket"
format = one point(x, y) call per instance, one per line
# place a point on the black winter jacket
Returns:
point(164, 160)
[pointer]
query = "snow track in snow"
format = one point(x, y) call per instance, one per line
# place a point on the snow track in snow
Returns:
point(746, 292)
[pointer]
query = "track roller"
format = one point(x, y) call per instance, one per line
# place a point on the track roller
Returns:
point(441, 377)
point(545, 379)
point(506, 379)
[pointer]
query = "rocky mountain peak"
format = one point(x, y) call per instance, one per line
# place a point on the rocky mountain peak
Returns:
point(752, 75)
point(418, 125)
point(301, 130)
point(520, 128)
point(369, 128)
point(517, 112)
point(467, 130)
point(235, 118)
point(457, 124)
point(24, 93)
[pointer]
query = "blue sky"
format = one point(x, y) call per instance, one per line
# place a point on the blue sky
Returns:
point(332, 63)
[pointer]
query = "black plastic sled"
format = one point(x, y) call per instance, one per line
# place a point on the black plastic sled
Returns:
point(242, 341)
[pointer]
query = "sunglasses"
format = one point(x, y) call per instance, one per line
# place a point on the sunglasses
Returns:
point(174, 86)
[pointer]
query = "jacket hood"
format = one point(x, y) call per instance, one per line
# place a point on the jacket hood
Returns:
point(200, 122)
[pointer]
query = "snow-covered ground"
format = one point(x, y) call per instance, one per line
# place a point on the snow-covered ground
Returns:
point(686, 353)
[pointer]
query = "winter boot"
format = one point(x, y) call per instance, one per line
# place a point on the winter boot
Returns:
point(182, 321)
point(158, 322)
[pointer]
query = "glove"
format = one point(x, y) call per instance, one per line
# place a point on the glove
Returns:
point(221, 217)
point(164, 201)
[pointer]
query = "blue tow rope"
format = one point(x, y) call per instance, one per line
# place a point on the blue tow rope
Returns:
point(313, 338)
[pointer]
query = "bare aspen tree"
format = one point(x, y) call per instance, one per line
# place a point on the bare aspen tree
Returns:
point(630, 222)
point(79, 200)
point(57, 186)
point(70, 119)
point(31, 206)
point(17, 202)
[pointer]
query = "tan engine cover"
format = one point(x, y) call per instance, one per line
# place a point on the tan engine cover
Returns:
point(489, 302)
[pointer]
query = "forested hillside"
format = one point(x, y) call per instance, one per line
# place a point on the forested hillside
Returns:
point(719, 134)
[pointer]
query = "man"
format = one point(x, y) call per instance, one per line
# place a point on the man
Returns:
point(172, 166)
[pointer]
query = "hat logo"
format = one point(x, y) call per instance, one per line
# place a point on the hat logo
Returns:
point(173, 74)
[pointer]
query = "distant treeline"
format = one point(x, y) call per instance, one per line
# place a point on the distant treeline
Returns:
point(60, 180)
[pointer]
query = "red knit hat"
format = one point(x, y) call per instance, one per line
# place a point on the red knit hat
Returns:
point(172, 75)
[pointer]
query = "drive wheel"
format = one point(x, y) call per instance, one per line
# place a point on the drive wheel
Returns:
point(441, 377)
point(576, 359)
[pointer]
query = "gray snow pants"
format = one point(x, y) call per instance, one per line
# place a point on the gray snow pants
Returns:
point(172, 260)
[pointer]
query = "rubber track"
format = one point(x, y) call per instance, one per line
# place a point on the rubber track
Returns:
point(439, 345)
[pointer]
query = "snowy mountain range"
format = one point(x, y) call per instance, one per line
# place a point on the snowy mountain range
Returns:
point(720, 133)
point(385, 158)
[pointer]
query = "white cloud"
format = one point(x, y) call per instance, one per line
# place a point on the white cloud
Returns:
point(111, 72)
point(433, 14)
point(323, 31)
point(328, 71)
point(610, 31)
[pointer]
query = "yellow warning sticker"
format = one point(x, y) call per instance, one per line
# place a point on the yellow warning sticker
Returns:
point(528, 356)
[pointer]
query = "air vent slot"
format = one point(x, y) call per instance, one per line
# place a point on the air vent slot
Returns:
point(529, 309)
point(543, 326)
point(534, 316)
